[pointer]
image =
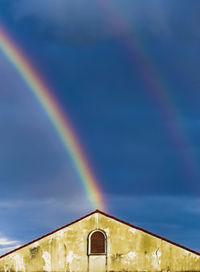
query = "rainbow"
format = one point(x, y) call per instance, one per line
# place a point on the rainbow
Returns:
point(157, 88)
point(60, 121)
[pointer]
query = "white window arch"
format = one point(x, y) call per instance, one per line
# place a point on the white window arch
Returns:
point(97, 242)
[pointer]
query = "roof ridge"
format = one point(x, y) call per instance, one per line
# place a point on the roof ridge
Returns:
point(109, 216)
point(48, 234)
point(150, 233)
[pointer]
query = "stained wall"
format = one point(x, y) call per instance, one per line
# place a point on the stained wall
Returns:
point(128, 249)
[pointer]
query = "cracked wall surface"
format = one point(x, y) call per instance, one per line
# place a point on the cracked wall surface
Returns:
point(128, 249)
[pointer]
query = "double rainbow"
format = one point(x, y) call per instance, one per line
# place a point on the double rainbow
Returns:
point(155, 86)
point(60, 121)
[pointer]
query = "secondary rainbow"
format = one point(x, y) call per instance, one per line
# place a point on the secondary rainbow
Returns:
point(60, 121)
point(156, 87)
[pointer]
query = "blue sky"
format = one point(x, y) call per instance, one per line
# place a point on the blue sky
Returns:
point(147, 161)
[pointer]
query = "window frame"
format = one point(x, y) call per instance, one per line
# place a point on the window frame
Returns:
point(89, 242)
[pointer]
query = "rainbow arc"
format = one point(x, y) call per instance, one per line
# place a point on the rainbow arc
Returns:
point(61, 122)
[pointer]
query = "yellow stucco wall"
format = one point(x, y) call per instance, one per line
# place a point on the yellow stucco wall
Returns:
point(128, 249)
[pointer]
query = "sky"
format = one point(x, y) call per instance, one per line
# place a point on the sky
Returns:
point(127, 73)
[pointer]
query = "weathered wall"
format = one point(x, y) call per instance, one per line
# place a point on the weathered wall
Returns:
point(128, 249)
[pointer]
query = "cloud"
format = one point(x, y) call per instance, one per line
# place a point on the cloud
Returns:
point(43, 212)
point(62, 203)
point(8, 249)
point(87, 21)
point(34, 217)
point(171, 217)
point(7, 242)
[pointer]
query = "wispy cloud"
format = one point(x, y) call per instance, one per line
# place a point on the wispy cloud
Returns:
point(36, 214)
point(8, 249)
point(7, 242)
point(65, 204)
point(170, 216)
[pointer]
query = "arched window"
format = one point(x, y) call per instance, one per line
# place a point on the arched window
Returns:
point(97, 242)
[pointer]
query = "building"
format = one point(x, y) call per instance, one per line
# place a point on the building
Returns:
point(99, 242)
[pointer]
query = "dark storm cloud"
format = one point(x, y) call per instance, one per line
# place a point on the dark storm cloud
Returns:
point(87, 21)
point(118, 119)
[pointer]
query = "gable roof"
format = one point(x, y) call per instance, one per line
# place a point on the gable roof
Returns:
point(111, 217)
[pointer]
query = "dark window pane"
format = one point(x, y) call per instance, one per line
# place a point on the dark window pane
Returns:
point(97, 242)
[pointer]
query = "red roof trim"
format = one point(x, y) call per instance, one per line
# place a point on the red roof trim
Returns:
point(36, 240)
point(109, 216)
point(151, 233)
